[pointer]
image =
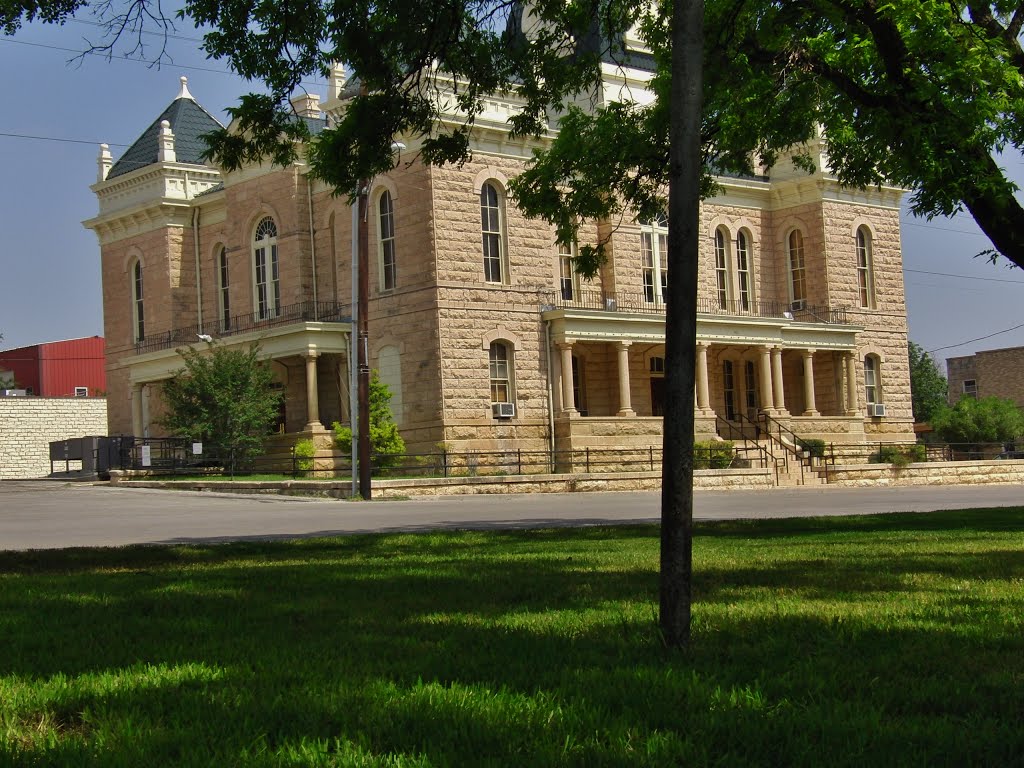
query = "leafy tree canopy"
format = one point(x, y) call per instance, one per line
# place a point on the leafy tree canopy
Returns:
point(223, 398)
point(923, 93)
point(981, 420)
point(928, 387)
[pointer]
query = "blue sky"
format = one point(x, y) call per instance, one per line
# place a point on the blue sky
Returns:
point(49, 273)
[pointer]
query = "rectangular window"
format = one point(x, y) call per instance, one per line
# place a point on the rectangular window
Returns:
point(797, 284)
point(870, 380)
point(81, 391)
point(225, 296)
point(387, 242)
point(971, 388)
point(490, 229)
point(568, 280)
point(138, 306)
point(722, 269)
point(743, 271)
point(499, 369)
point(729, 390)
point(864, 277)
point(750, 388)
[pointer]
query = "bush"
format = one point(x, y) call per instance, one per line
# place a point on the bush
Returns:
point(713, 454)
point(899, 456)
point(386, 445)
point(304, 451)
point(812, 446)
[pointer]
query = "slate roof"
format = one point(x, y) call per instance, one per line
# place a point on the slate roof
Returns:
point(189, 122)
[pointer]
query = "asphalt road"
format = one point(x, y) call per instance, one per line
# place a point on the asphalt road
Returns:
point(51, 515)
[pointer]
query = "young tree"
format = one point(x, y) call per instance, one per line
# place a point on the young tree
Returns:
point(979, 420)
point(928, 387)
point(386, 444)
point(222, 397)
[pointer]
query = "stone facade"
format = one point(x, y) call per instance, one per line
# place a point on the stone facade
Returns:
point(571, 363)
point(29, 424)
point(993, 372)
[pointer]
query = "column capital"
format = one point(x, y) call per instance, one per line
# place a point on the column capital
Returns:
point(809, 352)
point(311, 353)
point(564, 345)
point(623, 344)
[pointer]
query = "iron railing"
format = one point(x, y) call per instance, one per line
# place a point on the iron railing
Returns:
point(305, 311)
point(645, 303)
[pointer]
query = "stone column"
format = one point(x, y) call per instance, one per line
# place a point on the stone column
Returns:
point(851, 384)
point(808, 355)
point(625, 399)
point(312, 394)
point(767, 403)
point(703, 396)
point(137, 410)
point(568, 404)
point(777, 383)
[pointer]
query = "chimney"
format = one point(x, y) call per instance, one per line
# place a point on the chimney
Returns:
point(306, 105)
point(166, 153)
point(104, 163)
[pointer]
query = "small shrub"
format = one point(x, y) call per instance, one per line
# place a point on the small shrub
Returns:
point(713, 454)
point(304, 452)
point(812, 446)
point(899, 456)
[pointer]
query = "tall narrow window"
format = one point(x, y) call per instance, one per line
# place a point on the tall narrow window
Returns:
point(568, 280)
point(490, 228)
point(387, 242)
point(743, 270)
point(722, 269)
point(579, 391)
point(267, 269)
point(223, 290)
point(865, 278)
point(797, 282)
point(750, 388)
point(871, 375)
point(654, 254)
point(138, 303)
point(501, 373)
point(729, 389)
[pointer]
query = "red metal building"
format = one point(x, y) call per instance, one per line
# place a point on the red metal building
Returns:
point(74, 367)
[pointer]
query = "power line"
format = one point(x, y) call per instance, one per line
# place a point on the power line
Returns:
point(158, 64)
point(980, 338)
point(65, 141)
point(963, 277)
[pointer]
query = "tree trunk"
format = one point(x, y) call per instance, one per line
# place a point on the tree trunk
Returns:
point(685, 165)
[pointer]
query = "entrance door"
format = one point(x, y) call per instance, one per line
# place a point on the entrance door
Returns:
point(657, 396)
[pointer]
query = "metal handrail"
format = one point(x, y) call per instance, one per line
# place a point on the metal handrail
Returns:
point(623, 301)
point(732, 432)
point(304, 311)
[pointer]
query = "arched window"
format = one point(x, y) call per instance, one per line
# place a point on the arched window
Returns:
point(568, 280)
point(492, 220)
point(722, 268)
point(797, 279)
point(654, 253)
point(267, 270)
point(500, 360)
point(138, 303)
point(743, 258)
point(223, 290)
point(872, 380)
point(865, 268)
point(386, 250)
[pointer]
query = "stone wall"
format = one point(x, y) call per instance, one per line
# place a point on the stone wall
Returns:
point(29, 424)
point(929, 473)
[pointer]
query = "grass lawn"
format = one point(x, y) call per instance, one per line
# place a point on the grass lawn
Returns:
point(864, 641)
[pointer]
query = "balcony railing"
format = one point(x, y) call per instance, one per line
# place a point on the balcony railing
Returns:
point(643, 303)
point(306, 311)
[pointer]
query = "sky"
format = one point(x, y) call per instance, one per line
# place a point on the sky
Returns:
point(57, 113)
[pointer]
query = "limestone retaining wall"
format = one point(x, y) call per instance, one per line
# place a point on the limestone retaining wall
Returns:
point(29, 424)
point(930, 473)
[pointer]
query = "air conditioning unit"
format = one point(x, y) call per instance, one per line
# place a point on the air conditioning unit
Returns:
point(503, 410)
point(877, 409)
point(798, 304)
point(13, 393)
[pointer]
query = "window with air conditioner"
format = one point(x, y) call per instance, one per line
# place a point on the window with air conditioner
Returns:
point(501, 374)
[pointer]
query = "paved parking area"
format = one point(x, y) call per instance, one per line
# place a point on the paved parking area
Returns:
point(49, 514)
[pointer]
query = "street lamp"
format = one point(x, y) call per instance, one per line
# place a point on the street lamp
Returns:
point(362, 280)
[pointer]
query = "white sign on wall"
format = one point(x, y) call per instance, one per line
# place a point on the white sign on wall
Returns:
point(147, 456)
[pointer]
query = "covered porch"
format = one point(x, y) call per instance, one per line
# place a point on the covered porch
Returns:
point(609, 368)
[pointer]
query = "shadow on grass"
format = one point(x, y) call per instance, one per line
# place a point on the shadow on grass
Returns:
point(531, 647)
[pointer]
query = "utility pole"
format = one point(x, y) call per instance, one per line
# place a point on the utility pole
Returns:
point(363, 340)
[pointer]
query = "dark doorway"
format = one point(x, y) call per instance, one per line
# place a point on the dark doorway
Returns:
point(657, 397)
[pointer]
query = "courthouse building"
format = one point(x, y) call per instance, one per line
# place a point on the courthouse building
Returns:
point(477, 323)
